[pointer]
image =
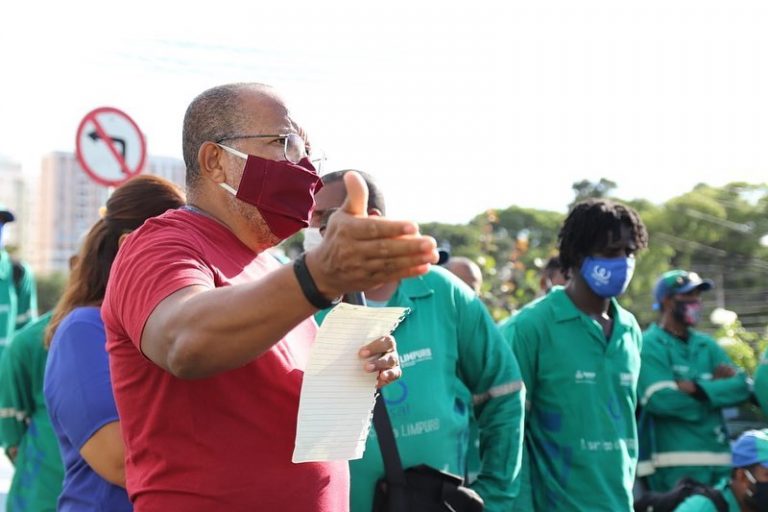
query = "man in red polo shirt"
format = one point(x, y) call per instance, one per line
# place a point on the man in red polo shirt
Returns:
point(208, 335)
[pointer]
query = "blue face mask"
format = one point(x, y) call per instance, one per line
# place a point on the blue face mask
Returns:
point(608, 277)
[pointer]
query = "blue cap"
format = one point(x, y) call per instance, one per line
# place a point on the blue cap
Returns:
point(751, 448)
point(678, 281)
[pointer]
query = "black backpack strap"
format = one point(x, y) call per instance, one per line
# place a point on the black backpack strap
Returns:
point(715, 496)
point(393, 467)
point(18, 274)
point(708, 492)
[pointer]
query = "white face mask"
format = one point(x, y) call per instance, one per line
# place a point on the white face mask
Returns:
point(312, 238)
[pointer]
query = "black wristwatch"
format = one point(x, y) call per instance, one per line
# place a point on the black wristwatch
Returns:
point(308, 286)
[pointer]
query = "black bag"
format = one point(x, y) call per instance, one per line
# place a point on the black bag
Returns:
point(668, 501)
point(420, 488)
point(427, 489)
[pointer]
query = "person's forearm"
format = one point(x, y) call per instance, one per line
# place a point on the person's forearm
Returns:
point(225, 328)
point(726, 392)
point(500, 427)
point(104, 452)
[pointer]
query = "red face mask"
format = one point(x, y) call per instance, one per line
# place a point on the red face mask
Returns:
point(283, 192)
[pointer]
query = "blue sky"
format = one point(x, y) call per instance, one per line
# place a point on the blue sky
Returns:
point(455, 107)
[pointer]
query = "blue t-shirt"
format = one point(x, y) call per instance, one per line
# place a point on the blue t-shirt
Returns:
point(78, 392)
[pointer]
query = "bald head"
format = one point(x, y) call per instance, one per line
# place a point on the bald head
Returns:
point(466, 270)
point(218, 113)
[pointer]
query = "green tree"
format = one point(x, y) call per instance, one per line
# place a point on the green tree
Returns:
point(585, 189)
point(462, 240)
point(514, 242)
point(715, 231)
point(743, 347)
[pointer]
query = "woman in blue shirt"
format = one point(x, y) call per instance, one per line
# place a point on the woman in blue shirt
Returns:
point(77, 386)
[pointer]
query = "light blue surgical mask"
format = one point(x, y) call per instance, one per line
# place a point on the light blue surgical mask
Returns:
point(312, 238)
point(608, 277)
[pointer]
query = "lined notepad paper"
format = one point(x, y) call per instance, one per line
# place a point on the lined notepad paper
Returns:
point(337, 395)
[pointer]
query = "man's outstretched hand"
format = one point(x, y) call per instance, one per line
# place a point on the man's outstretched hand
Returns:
point(360, 252)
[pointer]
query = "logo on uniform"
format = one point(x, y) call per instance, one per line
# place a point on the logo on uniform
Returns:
point(584, 377)
point(601, 275)
point(417, 356)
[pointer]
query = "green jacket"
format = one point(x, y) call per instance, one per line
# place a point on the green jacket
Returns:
point(524, 500)
point(24, 422)
point(18, 301)
point(761, 382)
point(698, 503)
point(580, 432)
point(683, 435)
point(454, 361)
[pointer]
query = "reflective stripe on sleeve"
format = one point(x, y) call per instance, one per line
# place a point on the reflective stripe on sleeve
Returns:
point(657, 386)
point(10, 412)
point(672, 459)
point(645, 468)
point(497, 391)
point(23, 318)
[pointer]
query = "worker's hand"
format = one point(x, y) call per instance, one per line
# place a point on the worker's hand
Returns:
point(687, 386)
point(723, 371)
point(381, 357)
point(360, 252)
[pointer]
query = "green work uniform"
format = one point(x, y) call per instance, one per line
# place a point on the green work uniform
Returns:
point(18, 300)
point(699, 503)
point(580, 434)
point(454, 361)
point(761, 382)
point(524, 500)
point(24, 422)
point(681, 434)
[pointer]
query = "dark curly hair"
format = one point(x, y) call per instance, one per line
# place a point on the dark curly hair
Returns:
point(588, 226)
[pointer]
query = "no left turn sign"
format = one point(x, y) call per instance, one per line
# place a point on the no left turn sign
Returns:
point(110, 147)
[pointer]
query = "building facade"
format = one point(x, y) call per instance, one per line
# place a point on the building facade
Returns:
point(68, 204)
point(14, 195)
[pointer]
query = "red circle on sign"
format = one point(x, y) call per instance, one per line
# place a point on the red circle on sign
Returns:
point(126, 169)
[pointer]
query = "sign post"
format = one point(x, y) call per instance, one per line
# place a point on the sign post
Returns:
point(110, 147)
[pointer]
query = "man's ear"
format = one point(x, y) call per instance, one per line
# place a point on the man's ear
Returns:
point(374, 212)
point(209, 158)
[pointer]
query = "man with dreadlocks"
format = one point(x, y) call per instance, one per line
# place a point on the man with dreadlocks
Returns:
point(579, 355)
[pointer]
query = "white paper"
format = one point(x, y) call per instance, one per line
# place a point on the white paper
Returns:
point(337, 395)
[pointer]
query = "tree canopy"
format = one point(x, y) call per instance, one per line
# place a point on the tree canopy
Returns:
point(715, 231)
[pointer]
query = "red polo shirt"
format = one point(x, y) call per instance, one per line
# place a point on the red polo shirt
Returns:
point(223, 442)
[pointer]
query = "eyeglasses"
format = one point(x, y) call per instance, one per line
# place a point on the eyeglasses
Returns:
point(294, 147)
